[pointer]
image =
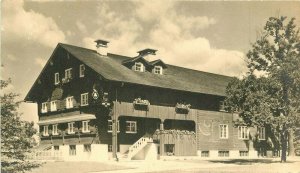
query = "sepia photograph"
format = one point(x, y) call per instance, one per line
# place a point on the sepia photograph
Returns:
point(157, 86)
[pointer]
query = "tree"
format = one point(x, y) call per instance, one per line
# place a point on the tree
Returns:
point(271, 99)
point(16, 135)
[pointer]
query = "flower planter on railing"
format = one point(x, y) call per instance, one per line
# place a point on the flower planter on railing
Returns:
point(182, 108)
point(139, 103)
point(66, 80)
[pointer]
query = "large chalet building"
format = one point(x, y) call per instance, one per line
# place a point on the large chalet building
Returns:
point(101, 106)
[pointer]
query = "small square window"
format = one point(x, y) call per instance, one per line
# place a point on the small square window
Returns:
point(84, 99)
point(87, 148)
point(204, 153)
point(139, 67)
point(244, 153)
point(81, 70)
point(72, 150)
point(44, 107)
point(109, 127)
point(223, 153)
point(131, 127)
point(56, 78)
point(157, 70)
point(69, 102)
point(53, 106)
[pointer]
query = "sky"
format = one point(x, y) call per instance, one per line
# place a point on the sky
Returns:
point(202, 35)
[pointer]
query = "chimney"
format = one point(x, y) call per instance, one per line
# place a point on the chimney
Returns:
point(101, 46)
point(148, 54)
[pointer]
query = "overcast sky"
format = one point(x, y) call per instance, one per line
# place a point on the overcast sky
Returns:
point(207, 36)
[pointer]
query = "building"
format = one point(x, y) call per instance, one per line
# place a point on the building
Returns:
point(98, 106)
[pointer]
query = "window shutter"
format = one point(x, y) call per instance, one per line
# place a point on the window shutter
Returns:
point(63, 104)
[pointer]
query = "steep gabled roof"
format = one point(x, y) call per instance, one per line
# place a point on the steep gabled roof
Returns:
point(177, 78)
point(158, 62)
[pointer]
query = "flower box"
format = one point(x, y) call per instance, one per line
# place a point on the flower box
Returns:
point(141, 104)
point(182, 108)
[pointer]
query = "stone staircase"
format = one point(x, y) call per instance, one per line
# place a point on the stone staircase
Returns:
point(136, 147)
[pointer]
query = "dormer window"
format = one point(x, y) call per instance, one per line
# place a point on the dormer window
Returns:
point(68, 73)
point(81, 70)
point(56, 78)
point(157, 69)
point(139, 67)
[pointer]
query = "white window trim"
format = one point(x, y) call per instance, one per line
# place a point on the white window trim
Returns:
point(56, 78)
point(53, 108)
point(118, 126)
point(87, 99)
point(81, 70)
point(261, 136)
point(243, 130)
point(46, 107)
point(46, 131)
point(160, 69)
point(69, 104)
point(220, 129)
point(88, 127)
point(55, 126)
point(67, 72)
point(142, 67)
point(71, 130)
point(131, 122)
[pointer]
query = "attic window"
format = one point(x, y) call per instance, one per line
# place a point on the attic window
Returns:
point(139, 67)
point(157, 70)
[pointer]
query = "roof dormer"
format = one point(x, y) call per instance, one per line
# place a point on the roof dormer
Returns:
point(158, 66)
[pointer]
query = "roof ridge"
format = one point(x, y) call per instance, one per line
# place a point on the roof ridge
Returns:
point(65, 44)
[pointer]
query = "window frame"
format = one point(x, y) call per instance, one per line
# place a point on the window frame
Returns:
point(68, 73)
point(44, 108)
point(54, 129)
point(243, 132)
point(56, 78)
point(159, 71)
point(110, 125)
point(51, 106)
point(86, 99)
point(223, 153)
point(261, 136)
point(87, 148)
point(221, 131)
point(46, 130)
point(85, 126)
point(71, 128)
point(141, 67)
point(56, 147)
point(69, 104)
point(244, 153)
point(81, 70)
point(130, 126)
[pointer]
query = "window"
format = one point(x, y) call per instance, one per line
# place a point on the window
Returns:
point(72, 150)
point(54, 129)
point(85, 126)
point(139, 67)
point(261, 133)
point(204, 153)
point(53, 106)
point(46, 131)
point(157, 70)
point(71, 128)
point(44, 107)
point(223, 153)
point(69, 102)
point(109, 149)
point(223, 131)
point(87, 148)
point(81, 70)
point(68, 73)
point(169, 149)
point(243, 132)
point(56, 147)
point(56, 78)
point(109, 128)
point(222, 106)
point(131, 127)
point(84, 99)
point(244, 153)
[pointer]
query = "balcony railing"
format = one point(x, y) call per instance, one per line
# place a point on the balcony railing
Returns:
point(141, 104)
point(182, 108)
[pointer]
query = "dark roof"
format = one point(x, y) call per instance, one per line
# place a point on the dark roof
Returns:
point(158, 61)
point(174, 77)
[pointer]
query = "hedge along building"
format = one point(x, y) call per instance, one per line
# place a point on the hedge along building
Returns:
point(98, 106)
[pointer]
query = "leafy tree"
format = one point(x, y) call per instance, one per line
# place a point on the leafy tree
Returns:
point(271, 99)
point(16, 135)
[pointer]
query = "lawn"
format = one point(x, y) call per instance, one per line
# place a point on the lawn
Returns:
point(76, 167)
